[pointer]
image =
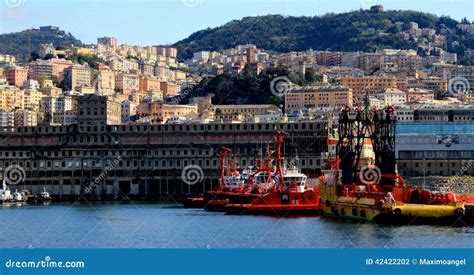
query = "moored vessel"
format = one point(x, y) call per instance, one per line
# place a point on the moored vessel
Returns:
point(285, 194)
point(361, 181)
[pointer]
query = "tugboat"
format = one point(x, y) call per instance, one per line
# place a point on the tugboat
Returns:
point(289, 196)
point(232, 186)
point(363, 186)
point(29, 198)
point(228, 183)
point(44, 196)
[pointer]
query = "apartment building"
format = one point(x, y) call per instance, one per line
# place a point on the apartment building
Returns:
point(16, 75)
point(127, 83)
point(77, 75)
point(318, 97)
point(371, 85)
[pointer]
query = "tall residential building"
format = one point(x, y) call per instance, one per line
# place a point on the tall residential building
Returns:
point(318, 97)
point(16, 75)
point(95, 112)
point(109, 41)
point(41, 67)
point(77, 75)
point(127, 83)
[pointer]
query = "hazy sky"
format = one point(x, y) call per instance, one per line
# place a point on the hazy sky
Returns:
point(153, 22)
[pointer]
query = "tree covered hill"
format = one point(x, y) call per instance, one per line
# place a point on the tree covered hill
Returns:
point(337, 32)
point(19, 43)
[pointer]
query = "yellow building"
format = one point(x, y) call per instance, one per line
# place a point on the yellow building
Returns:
point(83, 51)
point(77, 75)
point(105, 80)
point(163, 111)
point(32, 100)
point(468, 98)
point(318, 97)
point(11, 98)
point(372, 85)
point(247, 110)
point(179, 75)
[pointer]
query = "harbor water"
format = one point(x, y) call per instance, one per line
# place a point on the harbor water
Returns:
point(165, 225)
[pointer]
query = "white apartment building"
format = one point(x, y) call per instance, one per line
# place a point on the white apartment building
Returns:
point(392, 96)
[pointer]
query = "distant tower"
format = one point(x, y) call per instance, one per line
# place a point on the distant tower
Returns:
point(376, 8)
point(250, 55)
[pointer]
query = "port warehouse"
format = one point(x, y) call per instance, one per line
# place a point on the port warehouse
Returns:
point(151, 158)
point(145, 161)
point(435, 148)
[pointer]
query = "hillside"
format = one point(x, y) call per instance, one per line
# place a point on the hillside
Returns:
point(18, 43)
point(337, 32)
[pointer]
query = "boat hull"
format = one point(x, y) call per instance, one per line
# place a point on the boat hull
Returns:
point(274, 209)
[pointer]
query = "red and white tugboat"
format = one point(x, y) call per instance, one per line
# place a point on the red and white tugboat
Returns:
point(284, 191)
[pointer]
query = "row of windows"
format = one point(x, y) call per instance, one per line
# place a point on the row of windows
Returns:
point(194, 127)
point(151, 164)
point(123, 153)
point(436, 154)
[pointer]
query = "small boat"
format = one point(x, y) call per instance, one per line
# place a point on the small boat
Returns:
point(18, 197)
point(29, 198)
point(5, 196)
point(44, 196)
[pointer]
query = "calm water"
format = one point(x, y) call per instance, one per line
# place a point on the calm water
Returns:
point(108, 225)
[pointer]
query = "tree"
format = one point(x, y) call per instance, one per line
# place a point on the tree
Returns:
point(41, 78)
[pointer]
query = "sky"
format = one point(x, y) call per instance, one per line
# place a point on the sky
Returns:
point(161, 22)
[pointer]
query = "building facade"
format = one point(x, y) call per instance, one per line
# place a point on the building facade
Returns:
point(145, 161)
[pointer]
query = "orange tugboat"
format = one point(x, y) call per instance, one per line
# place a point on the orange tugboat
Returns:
point(362, 182)
point(228, 184)
point(284, 192)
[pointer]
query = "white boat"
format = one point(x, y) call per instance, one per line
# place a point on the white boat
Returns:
point(18, 197)
point(44, 196)
point(5, 194)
